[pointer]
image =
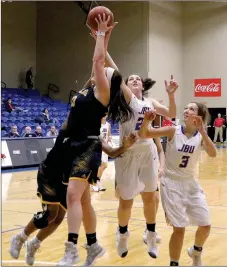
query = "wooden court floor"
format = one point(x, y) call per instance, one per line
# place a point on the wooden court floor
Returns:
point(19, 203)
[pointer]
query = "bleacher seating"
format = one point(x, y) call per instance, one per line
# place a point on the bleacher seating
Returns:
point(32, 101)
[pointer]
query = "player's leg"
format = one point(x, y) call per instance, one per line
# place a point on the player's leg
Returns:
point(39, 221)
point(174, 205)
point(122, 234)
point(158, 237)
point(126, 175)
point(85, 155)
point(100, 173)
point(98, 187)
point(157, 196)
point(195, 252)
point(76, 188)
point(175, 245)
point(54, 221)
point(199, 214)
point(94, 250)
point(149, 207)
point(148, 174)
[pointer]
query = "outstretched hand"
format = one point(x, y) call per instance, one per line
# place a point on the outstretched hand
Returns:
point(103, 22)
point(172, 86)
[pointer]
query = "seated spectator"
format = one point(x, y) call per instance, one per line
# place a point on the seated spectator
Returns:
point(53, 131)
point(28, 132)
point(10, 107)
point(38, 132)
point(44, 117)
point(13, 133)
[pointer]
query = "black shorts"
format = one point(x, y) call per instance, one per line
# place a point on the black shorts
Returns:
point(85, 157)
point(51, 190)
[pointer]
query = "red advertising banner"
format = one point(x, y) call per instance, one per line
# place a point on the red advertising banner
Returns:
point(207, 87)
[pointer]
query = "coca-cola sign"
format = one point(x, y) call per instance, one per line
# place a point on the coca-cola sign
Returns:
point(207, 87)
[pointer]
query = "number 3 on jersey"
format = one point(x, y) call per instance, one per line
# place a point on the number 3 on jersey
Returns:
point(139, 123)
point(184, 161)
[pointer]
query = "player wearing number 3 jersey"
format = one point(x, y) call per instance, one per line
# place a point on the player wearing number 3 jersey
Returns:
point(183, 199)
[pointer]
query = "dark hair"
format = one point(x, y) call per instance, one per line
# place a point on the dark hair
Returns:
point(119, 109)
point(203, 112)
point(45, 109)
point(147, 83)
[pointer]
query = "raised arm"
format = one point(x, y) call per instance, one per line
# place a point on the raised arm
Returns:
point(101, 81)
point(161, 109)
point(109, 62)
point(146, 131)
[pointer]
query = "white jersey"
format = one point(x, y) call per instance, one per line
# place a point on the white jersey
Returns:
point(104, 131)
point(139, 107)
point(182, 154)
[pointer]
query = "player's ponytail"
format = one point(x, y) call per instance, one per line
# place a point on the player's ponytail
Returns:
point(119, 109)
point(148, 83)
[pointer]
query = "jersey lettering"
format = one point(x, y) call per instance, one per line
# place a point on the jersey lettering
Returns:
point(144, 109)
point(187, 149)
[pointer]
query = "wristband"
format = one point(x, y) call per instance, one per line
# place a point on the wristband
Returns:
point(100, 33)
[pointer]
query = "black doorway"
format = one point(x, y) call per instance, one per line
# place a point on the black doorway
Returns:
point(213, 115)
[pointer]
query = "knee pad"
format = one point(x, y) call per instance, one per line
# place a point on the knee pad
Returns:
point(41, 219)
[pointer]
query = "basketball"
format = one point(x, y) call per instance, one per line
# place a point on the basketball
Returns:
point(94, 14)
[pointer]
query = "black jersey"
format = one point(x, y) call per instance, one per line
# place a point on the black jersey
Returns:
point(85, 115)
point(53, 164)
point(51, 172)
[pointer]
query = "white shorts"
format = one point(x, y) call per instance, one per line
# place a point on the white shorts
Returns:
point(184, 202)
point(137, 171)
point(104, 157)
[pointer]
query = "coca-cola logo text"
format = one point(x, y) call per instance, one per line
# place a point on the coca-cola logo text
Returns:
point(207, 87)
point(212, 87)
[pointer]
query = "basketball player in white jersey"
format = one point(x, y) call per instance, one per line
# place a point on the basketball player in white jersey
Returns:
point(136, 170)
point(183, 199)
point(105, 134)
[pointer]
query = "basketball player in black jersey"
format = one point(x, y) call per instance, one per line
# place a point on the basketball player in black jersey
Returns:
point(88, 108)
point(52, 193)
